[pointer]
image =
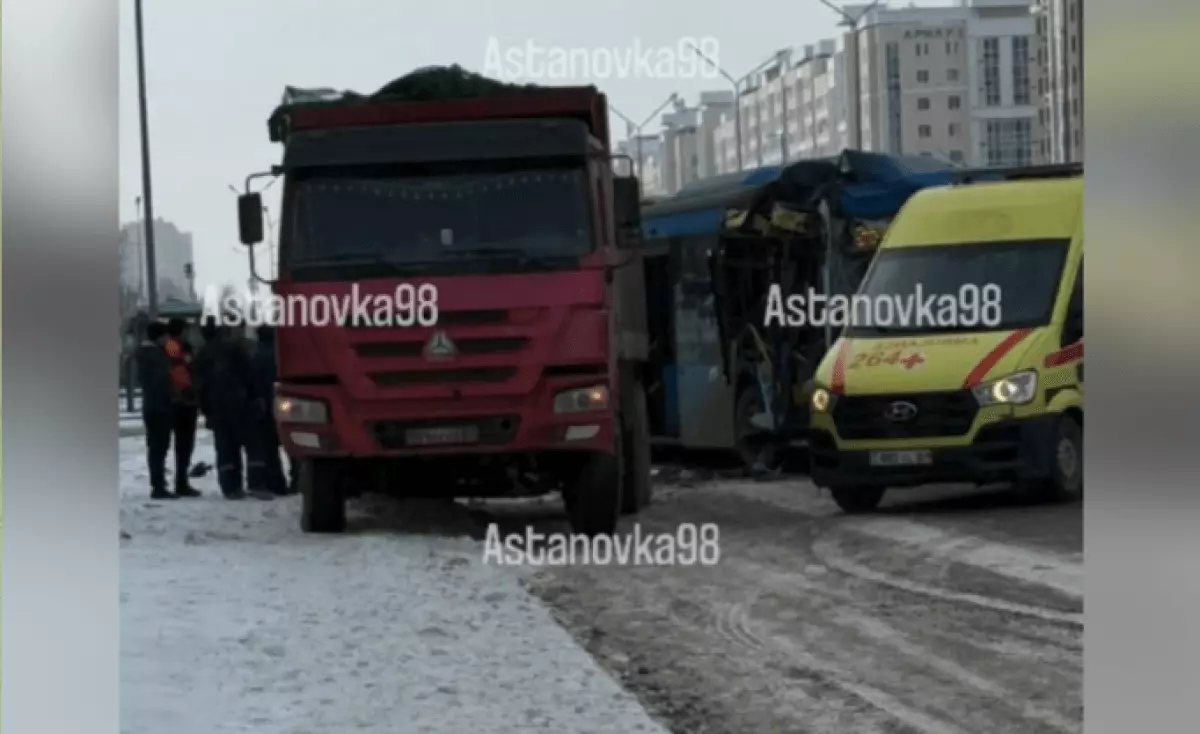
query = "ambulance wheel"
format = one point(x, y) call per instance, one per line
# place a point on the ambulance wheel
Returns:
point(323, 504)
point(635, 439)
point(1065, 483)
point(857, 500)
point(593, 499)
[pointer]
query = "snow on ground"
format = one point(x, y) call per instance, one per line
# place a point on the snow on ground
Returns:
point(233, 621)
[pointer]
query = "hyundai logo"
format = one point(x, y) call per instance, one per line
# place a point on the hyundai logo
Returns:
point(900, 411)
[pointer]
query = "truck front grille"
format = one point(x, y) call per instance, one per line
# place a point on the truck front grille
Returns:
point(443, 377)
point(864, 417)
point(465, 346)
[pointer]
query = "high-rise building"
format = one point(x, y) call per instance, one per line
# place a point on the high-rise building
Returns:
point(1059, 25)
point(173, 260)
point(955, 82)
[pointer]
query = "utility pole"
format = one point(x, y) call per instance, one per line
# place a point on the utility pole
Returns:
point(147, 191)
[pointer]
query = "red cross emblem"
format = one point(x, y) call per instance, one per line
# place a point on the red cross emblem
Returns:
point(912, 360)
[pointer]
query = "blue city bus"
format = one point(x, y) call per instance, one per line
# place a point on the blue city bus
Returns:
point(719, 380)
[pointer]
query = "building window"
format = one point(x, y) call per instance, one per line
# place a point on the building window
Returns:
point(956, 156)
point(1020, 71)
point(1074, 74)
point(1042, 86)
point(894, 99)
point(922, 103)
point(951, 75)
point(922, 77)
point(924, 131)
point(953, 129)
point(954, 102)
point(991, 72)
point(1009, 142)
point(1075, 106)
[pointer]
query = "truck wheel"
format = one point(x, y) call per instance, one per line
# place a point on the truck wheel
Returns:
point(857, 500)
point(593, 500)
point(637, 491)
point(323, 505)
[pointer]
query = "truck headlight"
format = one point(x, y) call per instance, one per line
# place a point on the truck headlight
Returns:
point(1016, 389)
point(581, 400)
point(300, 410)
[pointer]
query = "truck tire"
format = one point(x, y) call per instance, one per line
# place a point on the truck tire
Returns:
point(323, 504)
point(637, 491)
point(857, 500)
point(593, 500)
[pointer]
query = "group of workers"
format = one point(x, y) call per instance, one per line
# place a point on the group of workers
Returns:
point(230, 381)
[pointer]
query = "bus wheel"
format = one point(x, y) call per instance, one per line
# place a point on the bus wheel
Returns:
point(748, 438)
point(857, 500)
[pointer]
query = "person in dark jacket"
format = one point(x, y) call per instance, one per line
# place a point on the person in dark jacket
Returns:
point(154, 376)
point(183, 424)
point(230, 405)
point(264, 378)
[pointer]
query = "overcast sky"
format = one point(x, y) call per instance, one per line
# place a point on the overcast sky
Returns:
point(216, 68)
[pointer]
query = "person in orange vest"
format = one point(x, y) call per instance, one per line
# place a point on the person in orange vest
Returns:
point(184, 404)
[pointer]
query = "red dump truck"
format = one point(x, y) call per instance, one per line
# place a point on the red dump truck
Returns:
point(510, 359)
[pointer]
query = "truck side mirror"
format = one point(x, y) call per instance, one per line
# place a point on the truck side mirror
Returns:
point(250, 218)
point(627, 202)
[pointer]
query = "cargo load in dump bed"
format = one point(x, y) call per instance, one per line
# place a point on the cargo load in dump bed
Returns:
point(490, 215)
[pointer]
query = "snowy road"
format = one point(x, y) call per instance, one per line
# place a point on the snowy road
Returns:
point(232, 621)
point(946, 613)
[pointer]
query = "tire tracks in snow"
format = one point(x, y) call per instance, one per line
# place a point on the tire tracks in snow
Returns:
point(798, 635)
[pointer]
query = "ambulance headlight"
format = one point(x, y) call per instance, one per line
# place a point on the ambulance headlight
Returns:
point(1016, 389)
point(300, 410)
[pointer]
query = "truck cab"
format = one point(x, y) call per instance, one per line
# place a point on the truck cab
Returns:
point(503, 350)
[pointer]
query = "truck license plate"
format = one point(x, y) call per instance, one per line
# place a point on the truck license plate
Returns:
point(442, 436)
point(901, 458)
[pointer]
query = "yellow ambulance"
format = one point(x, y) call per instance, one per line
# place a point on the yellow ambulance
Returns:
point(974, 372)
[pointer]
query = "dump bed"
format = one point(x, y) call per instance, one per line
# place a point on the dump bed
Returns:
point(438, 95)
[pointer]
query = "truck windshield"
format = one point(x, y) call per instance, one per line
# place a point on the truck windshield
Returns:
point(531, 215)
point(974, 287)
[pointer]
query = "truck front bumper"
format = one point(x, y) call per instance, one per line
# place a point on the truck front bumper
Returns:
point(1004, 451)
point(501, 424)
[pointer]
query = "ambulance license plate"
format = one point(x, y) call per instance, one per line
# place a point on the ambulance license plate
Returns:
point(441, 436)
point(901, 458)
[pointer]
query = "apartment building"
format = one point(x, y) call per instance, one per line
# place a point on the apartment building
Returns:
point(1059, 27)
point(173, 260)
point(955, 82)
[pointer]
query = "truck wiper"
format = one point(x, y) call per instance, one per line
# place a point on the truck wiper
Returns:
point(522, 258)
point(350, 259)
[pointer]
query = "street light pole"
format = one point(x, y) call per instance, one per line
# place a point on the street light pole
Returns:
point(854, 23)
point(737, 98)
point(137, 218)
point(638, 128)
point(147, 192)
